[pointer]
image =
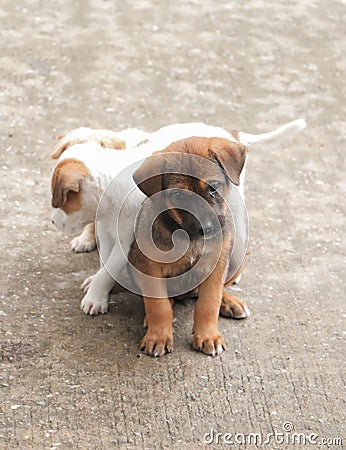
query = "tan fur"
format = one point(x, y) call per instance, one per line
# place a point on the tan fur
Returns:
point(64, 144)
point(59, 149)
point(175, 214)
point(114, 144)
point(66, 183)
point(235, 134)
point(230, 155)
point(211, 295)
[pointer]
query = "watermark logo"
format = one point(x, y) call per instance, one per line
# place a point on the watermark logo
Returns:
point(177, 197)
point(288, 436)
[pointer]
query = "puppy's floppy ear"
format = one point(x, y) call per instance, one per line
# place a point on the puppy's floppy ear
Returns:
point(148, 176)
point(230, 155)
point(67, 177)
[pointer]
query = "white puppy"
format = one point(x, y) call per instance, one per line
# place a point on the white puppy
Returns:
point(84, 173)
point(129, 138)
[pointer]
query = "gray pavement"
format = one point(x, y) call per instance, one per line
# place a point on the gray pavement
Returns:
point(68, 381)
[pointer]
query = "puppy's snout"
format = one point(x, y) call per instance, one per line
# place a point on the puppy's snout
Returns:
point(200, 226)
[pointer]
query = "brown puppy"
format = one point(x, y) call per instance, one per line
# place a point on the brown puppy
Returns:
point(187, 184)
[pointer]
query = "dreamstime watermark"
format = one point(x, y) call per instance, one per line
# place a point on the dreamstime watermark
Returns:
point(287, 436)
point(136, 216)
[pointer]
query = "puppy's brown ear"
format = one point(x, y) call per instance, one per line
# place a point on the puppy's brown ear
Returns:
point(67, 177)
point(230, 155)
point(148, 176)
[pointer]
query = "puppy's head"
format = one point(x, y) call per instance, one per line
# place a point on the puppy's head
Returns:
point(192, 176)
point(68, 178)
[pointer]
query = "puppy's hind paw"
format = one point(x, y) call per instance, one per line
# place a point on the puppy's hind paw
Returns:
point(233, 308)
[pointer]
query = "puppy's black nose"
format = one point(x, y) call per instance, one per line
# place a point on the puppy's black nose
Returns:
point(53, 222)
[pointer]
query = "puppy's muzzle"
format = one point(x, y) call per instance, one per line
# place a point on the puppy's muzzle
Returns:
point(198, 227)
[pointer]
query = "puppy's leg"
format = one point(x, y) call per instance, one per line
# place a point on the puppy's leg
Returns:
point(86, 241)
point(105, 240)
point(206, 335)
point(233, 307)
point(96, 299)
point(145, 322)
point(158, 339)
point(106, 243)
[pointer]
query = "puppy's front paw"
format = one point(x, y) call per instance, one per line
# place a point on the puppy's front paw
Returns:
point(91, 304)
point(210, 345)
point(233, 307)
point(81, 244)
point(157, 342)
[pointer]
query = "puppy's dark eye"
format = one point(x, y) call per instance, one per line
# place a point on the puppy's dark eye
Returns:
point(176, 196)
point(213, 188)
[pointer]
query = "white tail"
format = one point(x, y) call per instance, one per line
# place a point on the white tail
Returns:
point(287, 130)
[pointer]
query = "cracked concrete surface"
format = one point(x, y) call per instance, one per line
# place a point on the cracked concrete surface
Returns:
point(72, 381)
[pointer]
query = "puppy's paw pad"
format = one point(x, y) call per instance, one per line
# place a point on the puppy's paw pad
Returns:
point(94, 306)
point(157, 343)
point(235, 309)
point(81, 244)
point(212, 346)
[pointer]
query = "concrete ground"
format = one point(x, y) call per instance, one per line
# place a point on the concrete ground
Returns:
point(68, 381)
